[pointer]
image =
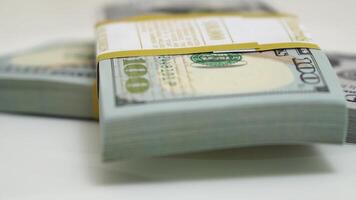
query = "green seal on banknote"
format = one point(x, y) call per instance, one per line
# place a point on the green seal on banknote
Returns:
point(217, 60)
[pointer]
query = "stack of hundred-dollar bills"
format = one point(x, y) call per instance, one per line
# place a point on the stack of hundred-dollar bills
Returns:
point(210, 101)
point(153, 105)
point(345, 67)
point(56, 79)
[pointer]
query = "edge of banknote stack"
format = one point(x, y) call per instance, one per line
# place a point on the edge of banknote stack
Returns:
point(344, 66)
point(54, 80)
point(174, 90)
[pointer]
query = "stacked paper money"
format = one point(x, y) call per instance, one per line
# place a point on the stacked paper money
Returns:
point(345, 67)
point(122, 10)
point(174, 104)
point(55, 79)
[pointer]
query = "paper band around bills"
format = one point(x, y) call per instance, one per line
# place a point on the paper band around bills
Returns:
point(197, 33)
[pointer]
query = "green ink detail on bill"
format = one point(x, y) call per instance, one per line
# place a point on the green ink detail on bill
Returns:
point(213, 60)
point(137, 85)
point(134, 70)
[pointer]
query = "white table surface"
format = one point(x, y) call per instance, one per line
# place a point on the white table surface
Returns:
point(55, 158)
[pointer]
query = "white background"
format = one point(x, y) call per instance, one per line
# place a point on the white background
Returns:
point(54, 158)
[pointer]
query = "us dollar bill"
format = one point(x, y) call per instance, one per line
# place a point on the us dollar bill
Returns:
point(165, 78)
point(160, 105)
point(345, 67)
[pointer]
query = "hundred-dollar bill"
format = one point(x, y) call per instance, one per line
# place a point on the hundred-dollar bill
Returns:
point(55, 79)
point(160, 105)
point(345, 67)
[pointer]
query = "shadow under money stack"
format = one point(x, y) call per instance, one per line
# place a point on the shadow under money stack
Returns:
point(157, 102)
point(56, 80)
point(345, 67)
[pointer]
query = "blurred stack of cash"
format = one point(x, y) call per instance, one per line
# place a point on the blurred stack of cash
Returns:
point(139, 7)
point(56, 79)
point(345, 67)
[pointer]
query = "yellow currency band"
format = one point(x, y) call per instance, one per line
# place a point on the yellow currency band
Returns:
point(198, 49)
point(95, 101)
point(202, 49)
